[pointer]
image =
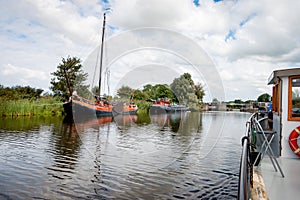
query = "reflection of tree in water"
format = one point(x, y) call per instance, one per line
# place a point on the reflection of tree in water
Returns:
point(186, 123)
point(26, 123)
point(143, 118)
point(65, 145)
point(174, 121)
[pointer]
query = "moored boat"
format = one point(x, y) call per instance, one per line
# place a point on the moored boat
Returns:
point(80, 106)
point(164, 105)
point(124, 109)
point(101, 106)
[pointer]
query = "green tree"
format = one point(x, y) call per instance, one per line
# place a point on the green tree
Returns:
point(140, 95)
point(125, 92)
point(238, 101)
point(186, 92)
point(68, 77)
point(163, 91)
point(95, 90)
point(19, 92)
point(264, 98)
point(199, 91)
point(149, 92)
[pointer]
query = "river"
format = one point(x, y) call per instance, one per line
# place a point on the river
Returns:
point(182, 156)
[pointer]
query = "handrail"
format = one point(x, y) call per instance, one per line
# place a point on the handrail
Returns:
point(243, 191)
point(245, 173)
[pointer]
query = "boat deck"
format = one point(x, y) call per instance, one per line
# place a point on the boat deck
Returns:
point(278, 187)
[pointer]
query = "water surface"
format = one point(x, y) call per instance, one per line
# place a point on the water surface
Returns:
point(189, 156)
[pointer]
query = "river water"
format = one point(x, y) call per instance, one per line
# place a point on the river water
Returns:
point(182, 156)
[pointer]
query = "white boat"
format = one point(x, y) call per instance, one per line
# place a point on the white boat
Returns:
point(278, 174)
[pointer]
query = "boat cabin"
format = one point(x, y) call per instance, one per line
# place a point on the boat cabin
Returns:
point(286, 108)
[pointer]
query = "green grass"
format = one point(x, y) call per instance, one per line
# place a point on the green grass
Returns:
point(143, 106)
point(42, 107)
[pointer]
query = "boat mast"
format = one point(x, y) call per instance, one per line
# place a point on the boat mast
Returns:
point(101, 54)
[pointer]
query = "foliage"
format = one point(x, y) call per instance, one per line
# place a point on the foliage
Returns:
point(158, 91)
point(163, 91)
point(143, 105)
point(238, 101)
point(264, 98)
point(69, 72)
point(19, 92)
point(125, 92)
point(95, 90)
point(199, 91)
point(186, 92)
point(140, 95)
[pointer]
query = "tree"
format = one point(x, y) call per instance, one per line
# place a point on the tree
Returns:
point(95, 90)
point(163, 91)
point(264, 98)
point(199, 91)
point(68, 77)
point(125, 92)
point(239, 101)
point(139, 95)
point(149, 92)
point(186, 92)
point(19, 92)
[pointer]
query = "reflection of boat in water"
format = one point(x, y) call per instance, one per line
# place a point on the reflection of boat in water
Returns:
point(162, 105)
point(101, 106)
point(86, 121)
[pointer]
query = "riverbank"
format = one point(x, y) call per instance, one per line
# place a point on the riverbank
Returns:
point(25, 107)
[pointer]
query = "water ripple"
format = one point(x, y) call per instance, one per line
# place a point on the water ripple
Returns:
point(150, 161)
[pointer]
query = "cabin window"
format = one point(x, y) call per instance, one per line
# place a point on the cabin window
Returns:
point(294, 98)
point(275, 98)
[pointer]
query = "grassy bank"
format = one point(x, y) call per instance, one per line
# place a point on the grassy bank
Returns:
point(143, 106)
point(41, 107)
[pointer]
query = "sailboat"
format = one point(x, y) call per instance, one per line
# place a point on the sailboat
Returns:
point(101, 106)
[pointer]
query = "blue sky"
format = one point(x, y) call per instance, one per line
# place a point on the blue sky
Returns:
point(246, 40)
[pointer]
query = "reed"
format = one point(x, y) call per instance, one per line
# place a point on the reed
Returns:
point(41, 107)
point(143, 106)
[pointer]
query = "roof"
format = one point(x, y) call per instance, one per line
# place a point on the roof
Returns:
point(274, 77)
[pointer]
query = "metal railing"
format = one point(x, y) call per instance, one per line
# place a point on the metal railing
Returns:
point(245, 174)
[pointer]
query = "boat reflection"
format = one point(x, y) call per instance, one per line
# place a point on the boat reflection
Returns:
point(86, 122)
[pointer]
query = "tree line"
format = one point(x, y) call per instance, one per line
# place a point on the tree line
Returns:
point(182, 90)
point(19, 92)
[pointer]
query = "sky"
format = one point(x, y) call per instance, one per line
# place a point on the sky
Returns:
point(231, 47)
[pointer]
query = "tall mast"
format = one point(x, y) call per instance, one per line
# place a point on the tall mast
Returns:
point(101, 54)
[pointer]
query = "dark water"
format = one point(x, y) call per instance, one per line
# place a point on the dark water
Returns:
point(186, 156)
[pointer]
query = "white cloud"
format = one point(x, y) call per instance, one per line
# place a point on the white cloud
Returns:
point(13, 75)
point(10, 70)
point(261, 36)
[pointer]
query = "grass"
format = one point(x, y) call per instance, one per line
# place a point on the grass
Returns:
point(41, 107)
point(143, 106)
